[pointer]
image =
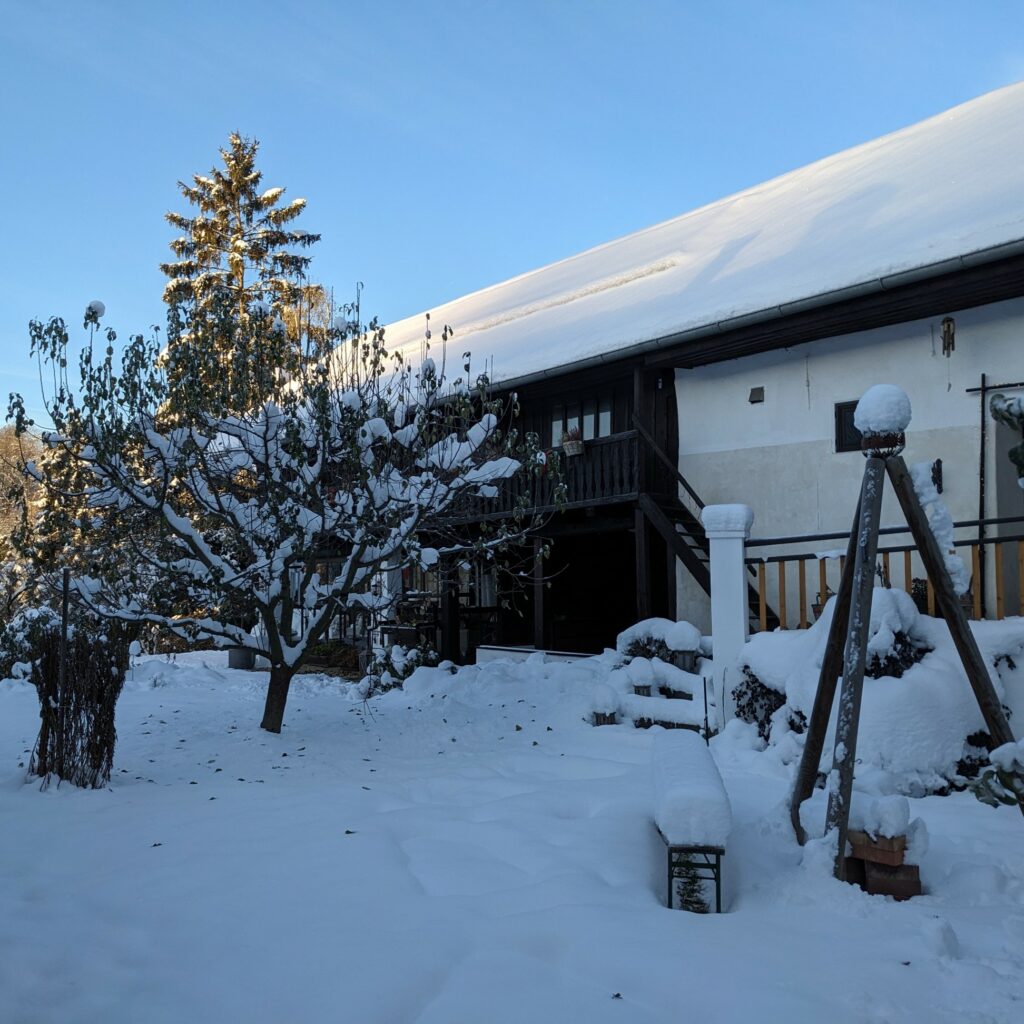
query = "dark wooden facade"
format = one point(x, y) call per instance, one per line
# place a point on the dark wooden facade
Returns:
point(613, 547)
point(630, 517)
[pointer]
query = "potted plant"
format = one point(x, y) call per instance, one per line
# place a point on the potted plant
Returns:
point(819, 605)
point(572, 441)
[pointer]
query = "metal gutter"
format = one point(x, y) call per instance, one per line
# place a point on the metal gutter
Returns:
point(889, 282)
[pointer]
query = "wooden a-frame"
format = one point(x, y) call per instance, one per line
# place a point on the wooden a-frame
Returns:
point(846, 647)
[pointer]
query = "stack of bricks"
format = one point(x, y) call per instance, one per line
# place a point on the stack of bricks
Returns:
point(876, 865)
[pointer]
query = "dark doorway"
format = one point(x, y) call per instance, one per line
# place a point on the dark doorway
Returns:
point(592, 596)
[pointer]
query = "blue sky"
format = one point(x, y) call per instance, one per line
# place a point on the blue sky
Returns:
point(442, 147)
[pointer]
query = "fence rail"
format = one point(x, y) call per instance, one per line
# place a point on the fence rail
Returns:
point(897, 564)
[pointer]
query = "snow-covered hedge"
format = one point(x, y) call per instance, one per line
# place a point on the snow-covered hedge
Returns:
point(918, 709)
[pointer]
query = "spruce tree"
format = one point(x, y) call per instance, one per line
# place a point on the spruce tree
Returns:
point(238, 272)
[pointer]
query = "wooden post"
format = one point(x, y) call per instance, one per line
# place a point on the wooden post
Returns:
point(976, 581)
point(783, 621)
point(451, 648)
point(848, 719)
point(762, 598)
point(540, 633)
point(802, 578)
point(643, 568)
point(1000, 603)
point(821, 711)
point(949, 605)
point(1020, 577)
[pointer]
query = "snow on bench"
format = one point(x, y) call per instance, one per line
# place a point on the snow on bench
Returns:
point(687, 714)
point(691, 808)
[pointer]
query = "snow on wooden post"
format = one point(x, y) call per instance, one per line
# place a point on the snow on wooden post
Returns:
point(727, 528)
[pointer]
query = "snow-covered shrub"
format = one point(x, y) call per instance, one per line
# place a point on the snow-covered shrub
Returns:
point(1003, 783)
point(390, 669)
point(920, 723)
point(21, 640)
point(757, 703)
point(658, 638)
point(77, 705)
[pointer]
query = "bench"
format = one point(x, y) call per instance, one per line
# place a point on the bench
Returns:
point(691, 812)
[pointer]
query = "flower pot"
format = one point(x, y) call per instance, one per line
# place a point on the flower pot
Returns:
point(572, 448)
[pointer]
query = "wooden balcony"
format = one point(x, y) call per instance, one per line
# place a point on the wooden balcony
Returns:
point(606, 473)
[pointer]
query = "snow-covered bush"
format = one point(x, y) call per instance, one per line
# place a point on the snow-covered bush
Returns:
point(757, 703)
point(390, 669)
point(1003, 783)
point(658, 638)
point(77, 703)
point(22, 638)
point(920, 724)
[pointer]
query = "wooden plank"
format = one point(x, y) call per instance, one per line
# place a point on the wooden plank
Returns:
point(802, 577)
point(822, 581)
point(976, 580)
point(1000, 593)
point(821, 711)
point(931, 597)
point(762, 597)
point(854, 657)
point(886, 569)
point(949, 605)
point(908, 572)
point(782, 595)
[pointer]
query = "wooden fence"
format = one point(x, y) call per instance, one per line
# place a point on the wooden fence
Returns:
point(797, 585)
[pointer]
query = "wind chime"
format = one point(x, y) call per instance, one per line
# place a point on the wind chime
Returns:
point(884, 412)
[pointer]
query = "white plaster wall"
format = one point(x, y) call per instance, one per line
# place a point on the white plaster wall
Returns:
point(779, 456)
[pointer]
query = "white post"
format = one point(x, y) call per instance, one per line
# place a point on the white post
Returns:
point(727, 528)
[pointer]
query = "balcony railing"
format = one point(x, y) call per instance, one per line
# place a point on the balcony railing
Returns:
point(605, 473)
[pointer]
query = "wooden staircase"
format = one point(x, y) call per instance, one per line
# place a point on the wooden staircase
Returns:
point(682, 531)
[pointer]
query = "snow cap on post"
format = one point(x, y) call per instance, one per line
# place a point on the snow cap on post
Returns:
point(727, 519)
point(882, 416)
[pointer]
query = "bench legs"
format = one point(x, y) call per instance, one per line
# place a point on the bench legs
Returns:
point(703, 863)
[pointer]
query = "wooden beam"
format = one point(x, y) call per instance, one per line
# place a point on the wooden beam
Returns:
point(854, 656)
point(676, 544)
point(949, 605)
point(643, 578)
point(821, 711)
point(540, 631)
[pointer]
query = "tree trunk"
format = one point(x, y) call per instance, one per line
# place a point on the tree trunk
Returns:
point(277, 697)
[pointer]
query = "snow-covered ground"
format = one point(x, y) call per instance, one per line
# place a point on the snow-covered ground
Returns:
point(469, 850)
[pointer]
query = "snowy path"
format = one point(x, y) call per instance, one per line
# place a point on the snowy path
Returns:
point(429, 863)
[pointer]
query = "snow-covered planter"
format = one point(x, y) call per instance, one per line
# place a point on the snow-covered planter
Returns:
point(604, 704)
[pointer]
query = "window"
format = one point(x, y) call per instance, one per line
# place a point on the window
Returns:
point(847, 435)
point(593, 417)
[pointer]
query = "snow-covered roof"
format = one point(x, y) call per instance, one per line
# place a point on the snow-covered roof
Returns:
point(940, 189)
